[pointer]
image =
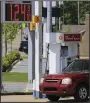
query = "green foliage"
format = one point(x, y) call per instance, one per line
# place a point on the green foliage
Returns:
point(9, 59)
point(10, 30)
point(6, 64)
point(69, 14)
point(9, 33)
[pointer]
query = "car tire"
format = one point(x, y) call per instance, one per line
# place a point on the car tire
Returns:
point(53, 97)
point(82, 93)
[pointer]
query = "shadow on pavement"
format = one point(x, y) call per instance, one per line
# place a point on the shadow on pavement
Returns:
point(17, 93)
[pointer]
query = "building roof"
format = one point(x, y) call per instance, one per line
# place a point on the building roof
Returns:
point(73, 28)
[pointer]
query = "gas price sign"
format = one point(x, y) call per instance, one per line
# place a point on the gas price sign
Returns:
point(17, 12)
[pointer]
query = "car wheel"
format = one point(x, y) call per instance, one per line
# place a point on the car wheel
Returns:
point(82, 93)
point(53, 97)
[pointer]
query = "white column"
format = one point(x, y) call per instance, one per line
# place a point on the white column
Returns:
point(44, 39)
point(38, 45)
point(44, 31)
point(54, 58)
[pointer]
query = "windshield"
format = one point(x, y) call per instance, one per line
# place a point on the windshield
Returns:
point(77, 65)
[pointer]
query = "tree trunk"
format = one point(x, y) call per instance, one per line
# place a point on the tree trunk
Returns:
point(5, 47)
point(11, 46)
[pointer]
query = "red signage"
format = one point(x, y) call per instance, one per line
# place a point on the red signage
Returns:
point(17, 12)
point(72, 37)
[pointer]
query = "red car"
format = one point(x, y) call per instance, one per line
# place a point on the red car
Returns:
point(73, 81)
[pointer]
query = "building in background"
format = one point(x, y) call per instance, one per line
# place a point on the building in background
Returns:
point(84, 45)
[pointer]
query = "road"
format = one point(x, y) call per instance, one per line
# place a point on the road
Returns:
point(30, 98)
point(15, 86)
point(21, 66)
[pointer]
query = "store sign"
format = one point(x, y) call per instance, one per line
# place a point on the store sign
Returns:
point(72, 38)
point(17, 12)
point(59, 37)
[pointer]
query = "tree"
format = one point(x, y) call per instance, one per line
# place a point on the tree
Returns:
point(5, 31)
point(9, 34)
point(12, 33)
point(69, 13)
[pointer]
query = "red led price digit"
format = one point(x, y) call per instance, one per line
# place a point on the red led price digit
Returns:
point(16, 12)
point(28, 12)
point(23, 10)
point(11, 11)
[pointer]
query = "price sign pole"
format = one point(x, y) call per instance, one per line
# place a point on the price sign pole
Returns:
point(38, 47)
point(1, 86)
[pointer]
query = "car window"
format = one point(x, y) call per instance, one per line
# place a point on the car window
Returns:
point(77, 65)
point(86, 65)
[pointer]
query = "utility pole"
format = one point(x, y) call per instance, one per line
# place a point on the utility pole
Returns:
point(0, 50)
point(78, 45)
point(78, 14)
point(57, 18)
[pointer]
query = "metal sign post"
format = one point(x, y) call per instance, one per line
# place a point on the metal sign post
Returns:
point(38, 48)
point(0, 49)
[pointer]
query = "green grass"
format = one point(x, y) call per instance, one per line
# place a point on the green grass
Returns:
point(24, 57)
point(15, 77)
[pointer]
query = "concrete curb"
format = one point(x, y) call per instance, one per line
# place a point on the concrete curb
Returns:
point(17, 93)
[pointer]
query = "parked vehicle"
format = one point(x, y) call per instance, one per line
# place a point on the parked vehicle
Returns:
point(23, 46)
point(74, 81)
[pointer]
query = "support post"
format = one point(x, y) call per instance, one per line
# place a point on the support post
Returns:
point(89, 53)
point(49, 25)
point(54, 58)
point(0, 50)
point(49, 16)
point(1, 85)
point(31, 53)
point(38, 49)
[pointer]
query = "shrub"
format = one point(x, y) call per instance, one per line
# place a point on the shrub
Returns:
point(9, 59)
point(6, 64)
